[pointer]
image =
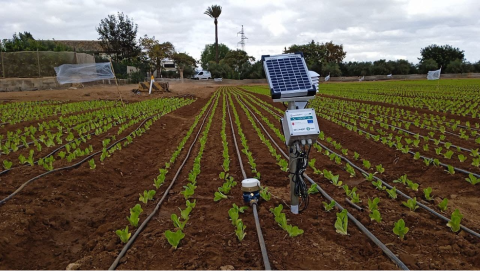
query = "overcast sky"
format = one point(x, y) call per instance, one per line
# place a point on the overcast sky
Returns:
point(369, 30)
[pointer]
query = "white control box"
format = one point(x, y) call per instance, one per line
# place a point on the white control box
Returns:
point(300, 124)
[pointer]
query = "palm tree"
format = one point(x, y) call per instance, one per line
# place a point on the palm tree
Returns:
point(214, 12)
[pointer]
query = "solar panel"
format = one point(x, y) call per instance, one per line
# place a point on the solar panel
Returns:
point(288, 76)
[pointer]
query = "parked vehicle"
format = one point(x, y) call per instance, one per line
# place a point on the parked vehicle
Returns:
point(202, 75)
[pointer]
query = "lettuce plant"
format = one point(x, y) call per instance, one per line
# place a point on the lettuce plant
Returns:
point(400, 229)
point(134, 215)
point(472, 179)
point(341, 224)
point(411, 204)
point(313, 189)
point(124, 235)
point(375, 215)
point(443, 205)
point(265, 194)
point(427, 192)
point(454, 223)
point(174, 238)
point(373, 204)
point(219, 196)
point(147, 195)
point(240, 230)
point(91, 162)
point(329, 206)
point(177, 223)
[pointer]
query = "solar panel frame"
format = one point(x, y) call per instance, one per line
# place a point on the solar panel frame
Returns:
point(288, 76)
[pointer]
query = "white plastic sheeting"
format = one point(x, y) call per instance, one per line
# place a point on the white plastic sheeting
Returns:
point(361, 79)
point(327, 78)
point(389, 75)
point(434, 75)
point(81, 73)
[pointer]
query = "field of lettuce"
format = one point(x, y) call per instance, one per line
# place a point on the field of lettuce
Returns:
point(156, 184)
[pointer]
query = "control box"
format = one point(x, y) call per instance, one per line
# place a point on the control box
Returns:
point(300, 124)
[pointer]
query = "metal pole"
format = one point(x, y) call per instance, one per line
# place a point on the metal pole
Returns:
point(38, 62)
point(292, 166)
point(3, 67)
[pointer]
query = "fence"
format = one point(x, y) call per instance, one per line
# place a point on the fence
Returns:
point(28, 64)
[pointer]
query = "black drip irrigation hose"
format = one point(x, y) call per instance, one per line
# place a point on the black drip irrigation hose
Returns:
point(421, 156)
point(473, 233)
point(3, 201)
point(398, 128)
point(61, 147)
point(400, 192)
point(157, 207)
point(362, 228)
point(261, 241)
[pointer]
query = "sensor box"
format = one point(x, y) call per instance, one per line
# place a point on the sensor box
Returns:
point(300, 124)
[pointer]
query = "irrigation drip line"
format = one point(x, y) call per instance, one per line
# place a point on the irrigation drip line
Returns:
point(57, 149)
point(157, 207)
point(398, 128)
point(473, 233)
point(261, 241)
point(421, 156)
point(362, 228)
point(3, 201)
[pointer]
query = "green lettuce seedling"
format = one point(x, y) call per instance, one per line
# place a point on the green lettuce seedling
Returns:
point(341, 224)
point(455, 220)
point(265, 194)
point(375, 215)
point(428, 191)
point(134, 215)
point(147, 195)
point(293, 230)
point(219, 196)
point(177, 223)
point(335, 180)
point(174, 238)
point(400, 229)
point(91, 162)
point(124, 235)
point(380, 168)
point(240, 230)
point(392, 193)
point(411, 204)
point(7, 164)
point(472, 179)
point(373, 204)
point(329, 206)
point(313, 189)
point(443, 205)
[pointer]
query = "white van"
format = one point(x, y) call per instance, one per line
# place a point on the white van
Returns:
point(202, 75)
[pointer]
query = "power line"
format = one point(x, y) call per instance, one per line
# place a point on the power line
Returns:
point(243, 38)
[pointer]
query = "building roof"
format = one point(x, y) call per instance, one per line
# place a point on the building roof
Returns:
point(83, 45)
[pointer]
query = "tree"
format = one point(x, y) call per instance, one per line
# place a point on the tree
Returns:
point(220, 70)
point(155, 52)
point(183, 61)
point(118, 35)
point(333, 52)
point(402, 66)
point(442, 55)
point(214, 12)
point(239, 61)
point(25, 42)
point(382, 67)
point(316, 54)
point(209, 54)
point(331, 68)
point(455, 66)
point(428, 65)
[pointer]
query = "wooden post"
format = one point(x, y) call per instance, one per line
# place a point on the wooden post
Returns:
point(115, 76)
point(38, 62)
point(3, 66)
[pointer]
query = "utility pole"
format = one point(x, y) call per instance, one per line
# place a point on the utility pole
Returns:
point(243, 38)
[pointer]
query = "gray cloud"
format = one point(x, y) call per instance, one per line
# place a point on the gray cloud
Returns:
point(369, 30)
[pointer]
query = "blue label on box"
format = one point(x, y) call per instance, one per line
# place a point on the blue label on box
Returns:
point(310, 121)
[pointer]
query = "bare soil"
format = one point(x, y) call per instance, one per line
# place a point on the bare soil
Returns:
point(71, 216)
